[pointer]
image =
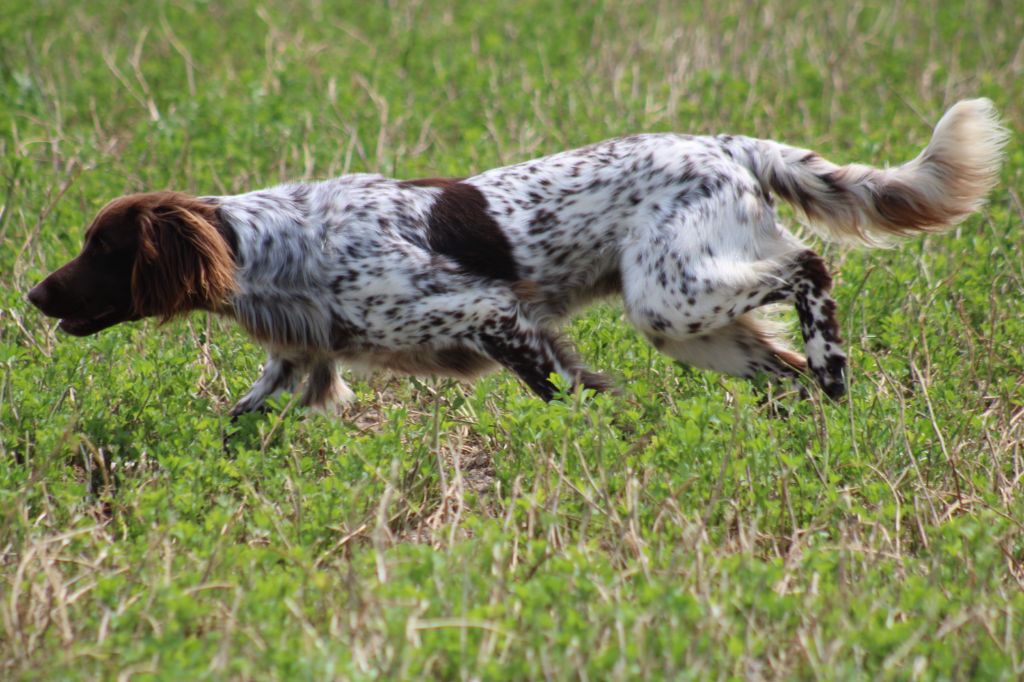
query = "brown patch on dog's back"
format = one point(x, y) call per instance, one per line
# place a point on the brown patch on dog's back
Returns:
point(461, 228)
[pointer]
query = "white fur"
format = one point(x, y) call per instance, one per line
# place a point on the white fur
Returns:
point(684, 227)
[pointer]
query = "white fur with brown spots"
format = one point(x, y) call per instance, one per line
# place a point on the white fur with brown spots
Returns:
point(454, 277)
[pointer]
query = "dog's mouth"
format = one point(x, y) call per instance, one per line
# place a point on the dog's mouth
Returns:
point(84, 326)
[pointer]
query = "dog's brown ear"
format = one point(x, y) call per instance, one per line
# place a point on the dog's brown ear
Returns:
point(182, 262)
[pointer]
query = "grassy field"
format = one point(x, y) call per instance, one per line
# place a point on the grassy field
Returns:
point(438, 530)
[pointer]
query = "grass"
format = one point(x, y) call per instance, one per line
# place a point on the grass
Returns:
point(439, 530)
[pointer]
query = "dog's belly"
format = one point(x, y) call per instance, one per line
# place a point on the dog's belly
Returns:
point(455, 361)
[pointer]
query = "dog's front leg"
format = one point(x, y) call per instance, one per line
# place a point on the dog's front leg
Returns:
point(325, 388)
point(279, 374)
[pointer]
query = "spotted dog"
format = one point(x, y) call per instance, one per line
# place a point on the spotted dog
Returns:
point(455, 276)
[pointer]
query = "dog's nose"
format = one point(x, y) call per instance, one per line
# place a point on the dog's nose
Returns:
point(37, 296)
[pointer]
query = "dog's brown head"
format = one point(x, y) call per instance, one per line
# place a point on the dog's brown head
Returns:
point(154, 254)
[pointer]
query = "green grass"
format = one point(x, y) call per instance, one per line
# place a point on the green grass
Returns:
point(473, 532)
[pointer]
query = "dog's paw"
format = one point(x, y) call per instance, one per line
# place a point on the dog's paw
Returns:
point(832, 377)
point(246, 405)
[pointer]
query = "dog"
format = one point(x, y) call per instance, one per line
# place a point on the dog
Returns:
point(454, 277)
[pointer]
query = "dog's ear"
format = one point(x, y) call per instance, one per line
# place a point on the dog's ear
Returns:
point(182, 262)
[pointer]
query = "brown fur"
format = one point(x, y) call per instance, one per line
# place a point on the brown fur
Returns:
point(155, 254)
point(182, 262)
point(462, 228)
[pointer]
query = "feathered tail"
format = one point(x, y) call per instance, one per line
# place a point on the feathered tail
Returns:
point(941, 187)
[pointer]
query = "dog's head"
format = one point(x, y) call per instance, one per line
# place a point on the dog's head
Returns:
point(154, 254)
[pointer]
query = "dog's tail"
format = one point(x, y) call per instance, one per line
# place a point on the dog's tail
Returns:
point(941, 187)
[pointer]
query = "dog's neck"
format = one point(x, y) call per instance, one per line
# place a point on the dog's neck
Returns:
point(268, 232)
point(277, 258)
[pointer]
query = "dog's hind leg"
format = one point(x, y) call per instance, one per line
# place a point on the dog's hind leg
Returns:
point(711, 328)
point(746, 347)
point(809, 284)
